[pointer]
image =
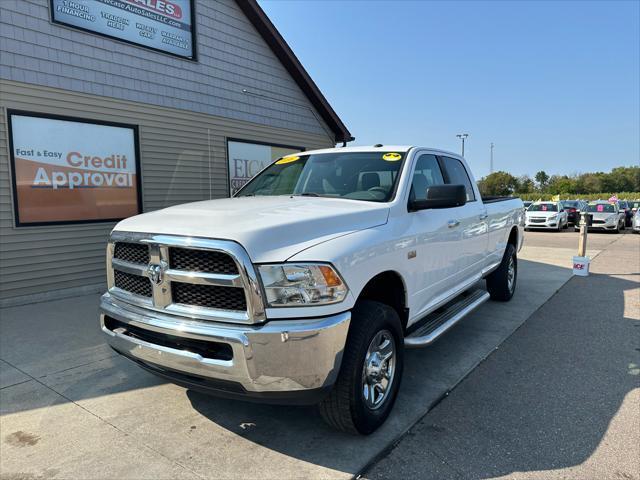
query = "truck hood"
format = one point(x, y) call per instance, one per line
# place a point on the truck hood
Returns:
point(271, 229)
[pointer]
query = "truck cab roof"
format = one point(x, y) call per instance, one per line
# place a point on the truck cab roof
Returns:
point(381, 148)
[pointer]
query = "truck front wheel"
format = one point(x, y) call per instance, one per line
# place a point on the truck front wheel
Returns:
point(372, 365)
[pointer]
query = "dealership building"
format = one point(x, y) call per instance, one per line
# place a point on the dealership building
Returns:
point(109, 108)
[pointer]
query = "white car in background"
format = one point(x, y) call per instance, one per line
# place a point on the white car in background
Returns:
point(635, 225)
point(605, 216)
point(546, 215)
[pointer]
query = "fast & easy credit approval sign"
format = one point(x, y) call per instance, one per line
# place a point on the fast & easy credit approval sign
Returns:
point(72, 170)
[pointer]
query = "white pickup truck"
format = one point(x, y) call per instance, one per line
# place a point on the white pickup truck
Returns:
point(307, 285)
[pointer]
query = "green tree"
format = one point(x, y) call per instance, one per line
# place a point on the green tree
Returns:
point(561, 184)
point(498, 183)
point(589, 183)
point(542, 178)
point(623, 179)
point(525, 184)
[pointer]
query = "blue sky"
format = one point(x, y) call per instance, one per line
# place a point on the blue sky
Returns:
point(555, 85)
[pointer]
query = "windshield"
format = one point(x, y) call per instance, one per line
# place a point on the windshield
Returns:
point(602, 207)
point(623, 205)
point(370, 176)
point(544, 207)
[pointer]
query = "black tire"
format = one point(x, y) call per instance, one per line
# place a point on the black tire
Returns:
point(345, 408)
point(498, 284)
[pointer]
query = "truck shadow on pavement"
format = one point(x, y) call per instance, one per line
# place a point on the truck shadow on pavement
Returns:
point(544, 401)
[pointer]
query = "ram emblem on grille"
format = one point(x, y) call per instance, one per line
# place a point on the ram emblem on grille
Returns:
point(155, 273)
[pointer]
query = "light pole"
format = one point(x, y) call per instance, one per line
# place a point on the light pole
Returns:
point(462, 137)
point(491, 160)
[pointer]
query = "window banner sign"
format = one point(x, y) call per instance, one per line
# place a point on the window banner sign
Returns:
point(165, 25)
point(247, 159)
point(72, 170)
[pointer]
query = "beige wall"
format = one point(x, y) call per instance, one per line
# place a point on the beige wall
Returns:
point(183, 159)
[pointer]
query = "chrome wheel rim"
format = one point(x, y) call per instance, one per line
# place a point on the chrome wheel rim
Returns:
point(511, 274)
point(379, 369)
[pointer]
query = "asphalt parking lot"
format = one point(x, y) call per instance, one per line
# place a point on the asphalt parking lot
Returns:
point(544, 386)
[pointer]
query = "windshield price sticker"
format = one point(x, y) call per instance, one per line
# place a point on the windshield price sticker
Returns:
point(600, 208)
point(392, 157)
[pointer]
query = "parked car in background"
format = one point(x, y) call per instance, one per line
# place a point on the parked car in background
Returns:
point(635, 205)
point(527, 204)
point(605, 216)
point(628, 214)
point(635, 224)
point(546, 215)
point(573, 208)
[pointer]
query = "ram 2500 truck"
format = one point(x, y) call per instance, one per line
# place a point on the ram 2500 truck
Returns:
point(307, 286)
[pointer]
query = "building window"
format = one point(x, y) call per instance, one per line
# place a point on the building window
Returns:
point(246, 159)
point(70, 170)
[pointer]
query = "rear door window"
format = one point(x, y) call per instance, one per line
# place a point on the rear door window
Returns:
point(426, 174)
point(457, 175)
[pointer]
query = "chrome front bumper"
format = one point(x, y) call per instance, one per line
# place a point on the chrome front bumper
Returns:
point(282, 357)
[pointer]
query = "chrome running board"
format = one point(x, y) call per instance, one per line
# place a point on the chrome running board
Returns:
point(437, 323)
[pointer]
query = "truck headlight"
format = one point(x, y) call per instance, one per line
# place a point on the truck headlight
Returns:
point(301, 284)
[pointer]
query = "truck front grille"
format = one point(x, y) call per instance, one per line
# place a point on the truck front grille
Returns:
point(211, 296)
point(133, 283)
point(201, 261)
point(131, 252)
point(197, 278)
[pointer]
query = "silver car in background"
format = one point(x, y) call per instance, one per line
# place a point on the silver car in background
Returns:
point(546, 215)
point(605, 216)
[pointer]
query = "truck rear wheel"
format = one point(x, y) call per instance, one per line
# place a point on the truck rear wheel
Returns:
point(501, 283)
point(372, 365)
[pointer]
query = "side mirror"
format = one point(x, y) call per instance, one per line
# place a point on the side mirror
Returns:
point(441, 196)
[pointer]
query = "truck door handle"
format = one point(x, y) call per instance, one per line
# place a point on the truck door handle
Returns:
point(483, 216)
point(453, 223)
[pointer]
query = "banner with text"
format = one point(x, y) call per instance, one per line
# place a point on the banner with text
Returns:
point(159, 24)
point(67, 171)
point(247, 159)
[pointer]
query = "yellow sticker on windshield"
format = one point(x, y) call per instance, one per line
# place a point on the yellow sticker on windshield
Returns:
point(287, 160)
point(391, 157)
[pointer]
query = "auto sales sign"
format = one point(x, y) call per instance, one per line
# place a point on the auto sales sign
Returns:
point(72, 170)
point(164, 25)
